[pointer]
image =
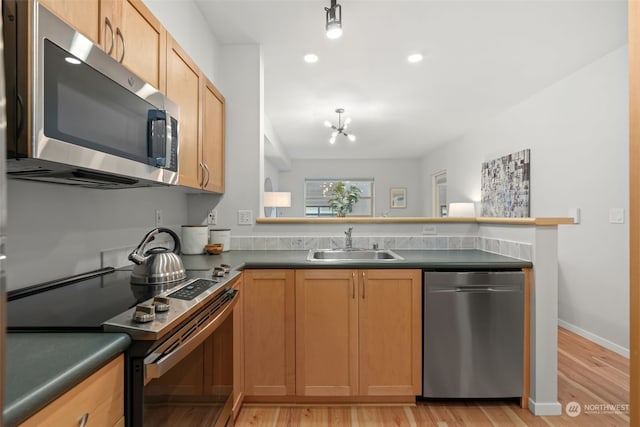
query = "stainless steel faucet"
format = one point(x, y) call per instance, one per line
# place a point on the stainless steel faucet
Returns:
point(348, 242)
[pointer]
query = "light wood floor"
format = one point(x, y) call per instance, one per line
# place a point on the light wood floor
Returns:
point(588, 374)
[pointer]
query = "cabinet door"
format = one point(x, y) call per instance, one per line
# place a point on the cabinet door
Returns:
point(390, 332)
point(98, 398)
point(183, 83)
point(269, 332)
point(82, 15)
point(213, 138)
point(141, 42)
point(238, 350)
point(326, 333)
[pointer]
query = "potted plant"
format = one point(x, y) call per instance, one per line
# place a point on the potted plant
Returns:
point(343, 198)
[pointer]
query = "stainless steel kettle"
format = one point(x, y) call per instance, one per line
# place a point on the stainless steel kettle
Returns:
point(157, 265)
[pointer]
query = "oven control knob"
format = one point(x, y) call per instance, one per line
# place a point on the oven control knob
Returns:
point(226, 268)
point(161, 304)
point(144, 313)
point(218, 272)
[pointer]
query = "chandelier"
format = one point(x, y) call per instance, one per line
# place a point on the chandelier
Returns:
point(341, 128)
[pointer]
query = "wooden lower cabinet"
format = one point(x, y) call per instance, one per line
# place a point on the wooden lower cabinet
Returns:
point(358, 332)
point(390, 320)
point(336, 334)
point(99, 399)
point(269, 333)
point(326, 333)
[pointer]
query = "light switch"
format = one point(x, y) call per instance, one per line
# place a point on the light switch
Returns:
point(616, 215)
point(245, 217)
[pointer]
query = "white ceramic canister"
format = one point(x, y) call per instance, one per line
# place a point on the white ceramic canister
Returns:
point(194, 239)
point(221, 235)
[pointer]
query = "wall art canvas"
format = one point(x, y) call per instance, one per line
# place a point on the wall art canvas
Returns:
point(506, 186)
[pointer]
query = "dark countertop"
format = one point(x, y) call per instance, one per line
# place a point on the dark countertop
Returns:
point(42, 366)
point(422, 259)
point(39, 367)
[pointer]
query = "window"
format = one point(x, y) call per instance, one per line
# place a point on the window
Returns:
point(318, 191)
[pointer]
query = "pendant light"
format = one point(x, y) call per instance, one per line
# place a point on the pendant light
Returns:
point(333, 24)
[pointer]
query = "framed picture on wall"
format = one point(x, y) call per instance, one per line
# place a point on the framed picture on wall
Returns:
point(398, 198)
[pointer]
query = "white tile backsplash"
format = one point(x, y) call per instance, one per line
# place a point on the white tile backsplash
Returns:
point(503, 247)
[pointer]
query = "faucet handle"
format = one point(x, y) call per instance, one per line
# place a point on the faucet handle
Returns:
point(375, 246)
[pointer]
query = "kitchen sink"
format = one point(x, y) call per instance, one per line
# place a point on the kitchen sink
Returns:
point(353, 255)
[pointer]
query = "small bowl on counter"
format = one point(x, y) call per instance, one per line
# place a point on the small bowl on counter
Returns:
point(214, 248)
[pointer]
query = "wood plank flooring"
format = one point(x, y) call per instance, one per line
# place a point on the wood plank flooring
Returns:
point(590, 375)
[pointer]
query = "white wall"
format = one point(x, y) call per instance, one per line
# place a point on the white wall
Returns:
point(577, 130)
point(242, 86)
point(387, 173)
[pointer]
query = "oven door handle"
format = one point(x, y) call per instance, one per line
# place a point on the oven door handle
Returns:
point(154, 368)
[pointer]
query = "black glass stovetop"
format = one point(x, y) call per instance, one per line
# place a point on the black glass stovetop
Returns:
point(79, 303)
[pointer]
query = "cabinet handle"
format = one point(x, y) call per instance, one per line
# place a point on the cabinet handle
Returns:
point(107, 24)
point(84, 420)
point(201, 165)
point(119, 34)
point(208, 175)
point(364, 284)
point(353, 285)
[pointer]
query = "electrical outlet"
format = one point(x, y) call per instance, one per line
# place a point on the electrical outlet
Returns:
point(212, 217)
point(158, 217)
point(429, 229)
point(245, 217)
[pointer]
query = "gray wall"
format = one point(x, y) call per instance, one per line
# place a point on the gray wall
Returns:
point(387, 173)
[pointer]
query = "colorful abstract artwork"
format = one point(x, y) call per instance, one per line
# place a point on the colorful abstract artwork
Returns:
point(506, 186)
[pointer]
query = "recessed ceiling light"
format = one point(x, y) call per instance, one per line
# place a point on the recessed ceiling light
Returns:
point(311, 58)
point(414, 57)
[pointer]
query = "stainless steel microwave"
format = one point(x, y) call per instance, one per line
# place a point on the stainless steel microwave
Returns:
point(77, 116)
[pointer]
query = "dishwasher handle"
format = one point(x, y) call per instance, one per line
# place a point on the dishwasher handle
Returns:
point(474, 290)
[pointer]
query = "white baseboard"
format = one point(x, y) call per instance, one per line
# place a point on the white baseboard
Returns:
point(545, 409)
point(595, 338)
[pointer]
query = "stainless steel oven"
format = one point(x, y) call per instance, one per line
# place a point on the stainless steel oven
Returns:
point(179, 367)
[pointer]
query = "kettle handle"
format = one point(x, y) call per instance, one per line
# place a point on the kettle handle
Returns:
point(176, 239)
point(137, 256)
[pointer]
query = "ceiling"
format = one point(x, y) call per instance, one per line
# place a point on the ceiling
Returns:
point(480, 58)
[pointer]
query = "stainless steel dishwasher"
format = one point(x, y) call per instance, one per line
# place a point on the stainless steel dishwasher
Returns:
point(473, 334)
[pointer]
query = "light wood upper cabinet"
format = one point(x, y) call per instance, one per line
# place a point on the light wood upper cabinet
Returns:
point(140, 40)
point(183, 87)
point(390, 319)
point(326, 333)
point(269, 332)
point(99, 399)
point(358, 332)
point(84, 16)
point(213, 138)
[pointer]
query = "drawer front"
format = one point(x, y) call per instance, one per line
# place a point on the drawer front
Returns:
point(100, 396)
